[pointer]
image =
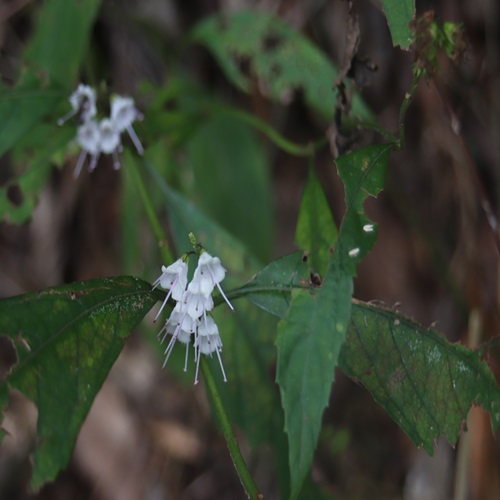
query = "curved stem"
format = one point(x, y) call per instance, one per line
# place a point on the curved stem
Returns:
point(272, 134)
point(232, 445)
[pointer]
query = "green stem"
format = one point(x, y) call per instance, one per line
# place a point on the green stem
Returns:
point(404, 107)
point(232, 445)
point(274, 136)
point(150, 211)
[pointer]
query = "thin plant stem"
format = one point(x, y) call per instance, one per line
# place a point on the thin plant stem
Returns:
point(150, 211)
point(404, 107)
point(232, 445)
point(234, 451)
point(272, 134)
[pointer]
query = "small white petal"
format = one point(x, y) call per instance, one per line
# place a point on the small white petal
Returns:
point(88, 137)
point(123, 112)
point(354, 252)
point(368, 228)
point(82, 101)
point(197, 304)
point(208, 327)
point(110, 137)
point(174, 278)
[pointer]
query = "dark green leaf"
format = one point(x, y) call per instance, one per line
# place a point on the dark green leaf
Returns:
point(67, 339)
point(18, 195)
point(282, 59)
point(230, 170)
point(316, 230)
point(271, 287)
point(53, 67)
point(312, 332)
point(61, 38)
point(399, 14)
point(423, 381)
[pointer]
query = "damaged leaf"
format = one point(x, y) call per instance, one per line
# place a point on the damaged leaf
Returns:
point(67, 339)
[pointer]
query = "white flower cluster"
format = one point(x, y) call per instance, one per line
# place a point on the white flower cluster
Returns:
point(96, 137)
point(193, 302)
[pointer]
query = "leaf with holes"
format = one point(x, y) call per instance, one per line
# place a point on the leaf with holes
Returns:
point(316, 230)
point(399, 14)
point(423, 381)
point(311, 334)
point(281, 58)
point(67, 339)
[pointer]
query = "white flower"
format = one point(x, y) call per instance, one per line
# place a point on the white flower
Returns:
point(208, 274)
point(89, 139)
point(174, 279)
point(123, 114)
point(208, 341)
point(82, 101)
point(110, 140)
point(181, 326)
point(197, 304)
point(189, 316)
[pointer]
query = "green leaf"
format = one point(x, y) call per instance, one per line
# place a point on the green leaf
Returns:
point(423, 381)
point(53, 66)
point(61, 38)
point(231, 170)
point(312, 332)
point(281, 58)
point(247, 335)
point(271, 287)
point(23, 107)
point(67, 339)
point(18, 195)
point(399, 14)
point(316, 230)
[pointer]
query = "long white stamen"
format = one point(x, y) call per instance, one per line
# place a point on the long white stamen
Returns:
point(221, 366)
point(164, 304)
point(225, 298)
point(186, 359)
point(66, 117)
point(79, 164)
point(116, 161)
point(197, 366)
point(135, 140)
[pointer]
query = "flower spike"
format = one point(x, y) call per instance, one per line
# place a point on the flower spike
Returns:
point(194, 302)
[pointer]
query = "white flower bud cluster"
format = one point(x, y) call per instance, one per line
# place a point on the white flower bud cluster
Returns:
point(193, 301)
point(104, 136)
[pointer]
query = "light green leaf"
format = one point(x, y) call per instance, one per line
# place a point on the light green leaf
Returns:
point(312, 332)
point(281, 58)
point(423, 381)
point(399, 14)
point(67, 339)
point(316, 230)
